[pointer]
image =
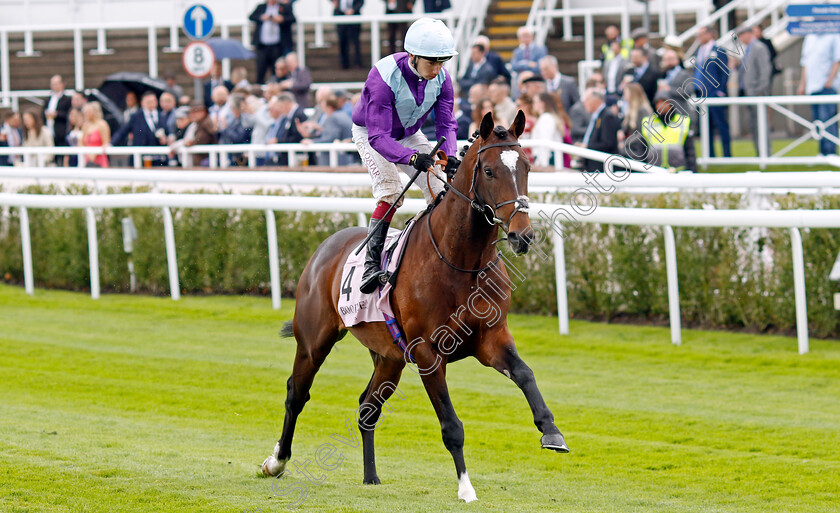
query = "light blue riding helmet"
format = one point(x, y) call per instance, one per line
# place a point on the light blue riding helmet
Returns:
point(431, 39)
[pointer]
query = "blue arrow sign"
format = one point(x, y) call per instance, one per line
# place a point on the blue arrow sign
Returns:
point(813, 10)
point(198, 22)
point(803, 28)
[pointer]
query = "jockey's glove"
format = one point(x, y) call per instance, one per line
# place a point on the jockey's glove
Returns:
point(452, 164)
point(421, 161)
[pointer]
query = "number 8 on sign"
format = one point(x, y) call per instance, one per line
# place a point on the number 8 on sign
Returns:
point(198, 59)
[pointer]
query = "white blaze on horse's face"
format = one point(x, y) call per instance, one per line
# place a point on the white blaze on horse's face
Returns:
point(510, 158)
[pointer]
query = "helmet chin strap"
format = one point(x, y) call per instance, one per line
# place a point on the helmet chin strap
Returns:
point(413, 65)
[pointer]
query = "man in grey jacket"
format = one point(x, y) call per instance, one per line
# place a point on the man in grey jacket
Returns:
point(754, 78)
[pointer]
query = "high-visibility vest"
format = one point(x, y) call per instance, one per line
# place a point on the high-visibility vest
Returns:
point(626, 46)
point(666, 144)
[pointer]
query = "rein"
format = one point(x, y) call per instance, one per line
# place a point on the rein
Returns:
point(480, 205)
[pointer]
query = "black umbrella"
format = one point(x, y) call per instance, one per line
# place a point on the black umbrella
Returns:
point(117, 85)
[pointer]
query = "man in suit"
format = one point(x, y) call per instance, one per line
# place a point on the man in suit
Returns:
point(348, 34)
point(754, 76)
point(168, 103)
point(711, 73)
point(614, 68)
point(643, 73)
point(602, 131)
point(436, 5)
point(11, 136)
point(640, 41)
point(526, 57)
point(56, 111)
point(397, 30)
point(200, 132)
point(757, 32)
point(272, 36)
point(215, 81)
point(493, 58)
point(285, 129)
point(678, 79)
point(298, 80)
point(144, 129)
point(557, 83)
point(479, 71)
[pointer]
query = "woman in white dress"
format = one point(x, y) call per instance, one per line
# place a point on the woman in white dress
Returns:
point(553, 124)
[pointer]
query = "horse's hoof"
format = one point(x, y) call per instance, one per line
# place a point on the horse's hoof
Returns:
point(374, 481)
point(273, 467)
point(555, 442)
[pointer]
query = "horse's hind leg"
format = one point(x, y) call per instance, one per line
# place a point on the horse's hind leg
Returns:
point(382, 385)
point(314, 344)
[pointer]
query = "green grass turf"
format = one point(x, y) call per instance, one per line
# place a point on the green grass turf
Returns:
point(746, 148)
point(142, 404)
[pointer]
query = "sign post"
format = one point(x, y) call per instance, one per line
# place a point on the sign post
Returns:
point(813, 19)
point(198, 57)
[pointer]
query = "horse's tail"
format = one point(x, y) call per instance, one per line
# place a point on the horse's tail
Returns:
point(287, 331)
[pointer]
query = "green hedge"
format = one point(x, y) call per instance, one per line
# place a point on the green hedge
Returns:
point(734, 278)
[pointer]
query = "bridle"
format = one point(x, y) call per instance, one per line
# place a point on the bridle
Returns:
point(479, 204)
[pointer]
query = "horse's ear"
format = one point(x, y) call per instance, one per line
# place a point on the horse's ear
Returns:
point(486, 126)
point(518, 125)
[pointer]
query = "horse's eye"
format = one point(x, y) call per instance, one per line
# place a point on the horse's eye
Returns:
point(488, 172)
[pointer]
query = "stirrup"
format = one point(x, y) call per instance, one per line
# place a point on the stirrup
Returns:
point(376, 280)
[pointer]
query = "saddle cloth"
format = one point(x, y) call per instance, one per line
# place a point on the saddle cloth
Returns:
point(355, 307)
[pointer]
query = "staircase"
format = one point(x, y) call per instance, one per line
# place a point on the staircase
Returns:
point(504, 17)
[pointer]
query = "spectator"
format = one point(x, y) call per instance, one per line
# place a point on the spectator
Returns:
point(493, 58)
point(671, 42)
point(239, 78)
point(636, 108)
point(711, 74)
point(755, 73)
point(553, 124)
point(769, 44)
point(285, 129)
point(640, 41)
point(220, 113)
point(36, 135)
point(731, 17)
point(503, 106)
point(580, 121)
point(396, 31)
point(263, 119)
point(676, 78)
point(337, 126)
point(298, 80)
point(348, 34)
point(95, 133)
point(200, 132)
point(476, 93)
point(526, 57)
point(275, 113)
point(614, 68)
point(346, 101)
point(526, 104)
point(479, 70)
point(56, 111)
point(820, 63)
point(75, 122)
point(480, 109)
point(272, 36)
point(643, 73)
point(78, 100)
point(557, 83)
point(215, 81)
point(172, 84)
point(233, 130)
point(281, 73)
point(132, 105)
point(532, 85)
point(608, 51)
point(602, 131)
point(167, 112)
point(436, 5)
point(144, 129)
point(10, 137)
point(176, 138)
point(667, 134)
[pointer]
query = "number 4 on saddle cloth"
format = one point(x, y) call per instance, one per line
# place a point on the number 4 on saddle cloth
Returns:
point(354, 307)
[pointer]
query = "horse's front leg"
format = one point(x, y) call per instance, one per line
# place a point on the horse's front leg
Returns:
point(500, 353)
point(433, 372)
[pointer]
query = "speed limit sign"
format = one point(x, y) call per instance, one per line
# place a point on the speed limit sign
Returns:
point(198, 59)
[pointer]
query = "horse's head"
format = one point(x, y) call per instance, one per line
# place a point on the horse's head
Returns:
point(500, 179)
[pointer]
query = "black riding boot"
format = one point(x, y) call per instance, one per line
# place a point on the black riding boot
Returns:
point(374, 275)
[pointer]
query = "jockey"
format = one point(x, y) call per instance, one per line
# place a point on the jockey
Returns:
point(399, 94)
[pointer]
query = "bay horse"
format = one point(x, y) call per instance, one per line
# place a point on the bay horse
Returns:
point(436, 301)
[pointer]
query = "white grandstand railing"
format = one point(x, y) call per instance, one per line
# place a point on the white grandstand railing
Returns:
point(471, 15)
point(720, 20)
point(542, 19)
point(666, 218)
point(815, 130)
point(218, 153)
